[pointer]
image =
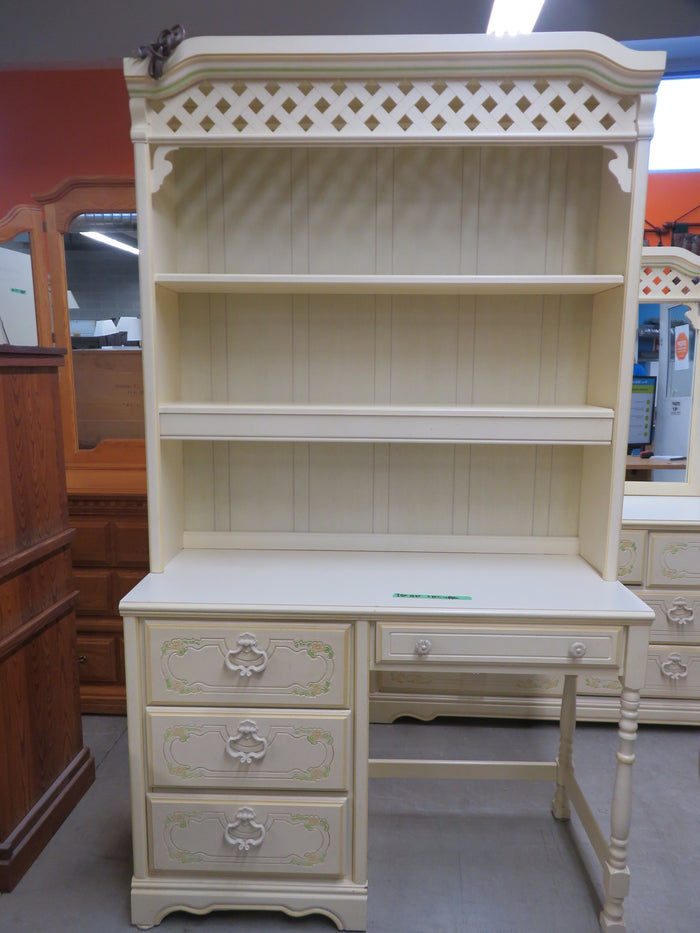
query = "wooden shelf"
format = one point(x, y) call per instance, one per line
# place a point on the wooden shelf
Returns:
point(407, 424)
point(389, 284)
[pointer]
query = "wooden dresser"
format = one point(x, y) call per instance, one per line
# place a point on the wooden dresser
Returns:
point(44, 767)
point(110, 556)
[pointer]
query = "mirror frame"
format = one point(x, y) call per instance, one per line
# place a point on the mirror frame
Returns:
point(27, 218)
point(672, 274)
point(115, 466)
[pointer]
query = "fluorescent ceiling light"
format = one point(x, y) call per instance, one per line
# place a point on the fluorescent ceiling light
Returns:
point(110, 241)
point(513, 17)
point(676, 142)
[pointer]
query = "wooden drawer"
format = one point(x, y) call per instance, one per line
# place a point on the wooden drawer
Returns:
point(497, 644)
point(99, 658)
point(673, 671)
point(91, 543)
point(248, 665)
point(96, 592)
point(255, 749)
point(632, 552)
point(245, 835)
point(677, 615)
point(674, 559)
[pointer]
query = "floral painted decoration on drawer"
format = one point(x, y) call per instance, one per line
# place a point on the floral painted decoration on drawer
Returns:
point(252, 667)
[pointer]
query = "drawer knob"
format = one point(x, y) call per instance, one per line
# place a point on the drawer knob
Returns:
point(674, 667)
point(247, 658)
point(245, 833)
point(423, 647)
point(577, 649)
point(252, 746)
point(680, 612)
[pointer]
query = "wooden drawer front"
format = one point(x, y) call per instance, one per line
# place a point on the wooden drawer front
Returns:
point(674, 559)
point(96, 592)
point(303, 751)
point(90, 545)
point(244, 665)
point(498, 645)
point(632, 551)
point(99, 658)
point(130, 543)
point(677, 615)
point(245, 835)
point(673, 671)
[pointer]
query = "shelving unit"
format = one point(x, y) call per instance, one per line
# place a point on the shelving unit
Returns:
point(389, 287)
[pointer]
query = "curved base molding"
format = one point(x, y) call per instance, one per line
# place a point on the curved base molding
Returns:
point(151, 900)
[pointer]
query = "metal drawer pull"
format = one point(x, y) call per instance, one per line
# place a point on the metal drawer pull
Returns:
point(423, 647)
point(253, 832)
point(674, 667)
point(247, 733)
point(577, 649)
point(680, 613)
point(247, 646)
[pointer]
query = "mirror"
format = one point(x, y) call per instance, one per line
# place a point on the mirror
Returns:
point(24, 317)
point(101, 256)
point(664, 414)
point(101, 384)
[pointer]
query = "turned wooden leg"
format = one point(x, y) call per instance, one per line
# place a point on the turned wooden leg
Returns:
point(615, 870)
point(565, 759)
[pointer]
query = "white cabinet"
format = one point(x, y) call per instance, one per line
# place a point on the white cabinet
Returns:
point(388, 287)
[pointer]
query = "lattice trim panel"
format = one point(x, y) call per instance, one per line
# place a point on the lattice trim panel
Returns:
point(491, 108)
point(668, 283)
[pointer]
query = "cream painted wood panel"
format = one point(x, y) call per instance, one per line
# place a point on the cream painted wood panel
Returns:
point(673, 671)
point(677, 615)
point(632, 556)
point(254, 749)
point(385, 489)
point(248, 665)
point(330, 209)
point(249, 835)
point(674, 559)
point(497, 644)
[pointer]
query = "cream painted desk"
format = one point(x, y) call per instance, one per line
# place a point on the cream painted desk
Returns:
point(248, 710)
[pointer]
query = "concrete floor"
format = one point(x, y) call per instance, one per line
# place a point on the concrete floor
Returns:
point(473, 857)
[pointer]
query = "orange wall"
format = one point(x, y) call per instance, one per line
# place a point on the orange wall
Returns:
point(55, 124)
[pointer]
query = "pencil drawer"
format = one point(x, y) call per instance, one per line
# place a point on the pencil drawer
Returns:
point(496, 644)
point(234, 664)
point(249, 835)
point(253, 749)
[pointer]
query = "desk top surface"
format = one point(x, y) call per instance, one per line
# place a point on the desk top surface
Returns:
point(367, 584)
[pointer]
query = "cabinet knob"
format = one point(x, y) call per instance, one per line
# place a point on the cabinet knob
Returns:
point(82, 659)
point(423, 647)
point(250, 832)
point(247, 658)
point(680, 612)
point(252, 746)
point(674, 667)
point(577, 649)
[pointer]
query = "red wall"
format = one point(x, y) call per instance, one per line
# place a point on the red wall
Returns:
point(670, 196)
point(56, 124)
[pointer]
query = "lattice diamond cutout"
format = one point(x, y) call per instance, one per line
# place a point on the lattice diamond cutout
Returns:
point(483, 107)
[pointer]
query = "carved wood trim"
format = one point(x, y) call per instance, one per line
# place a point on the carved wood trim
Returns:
point(20, 560)
point(25, 633)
